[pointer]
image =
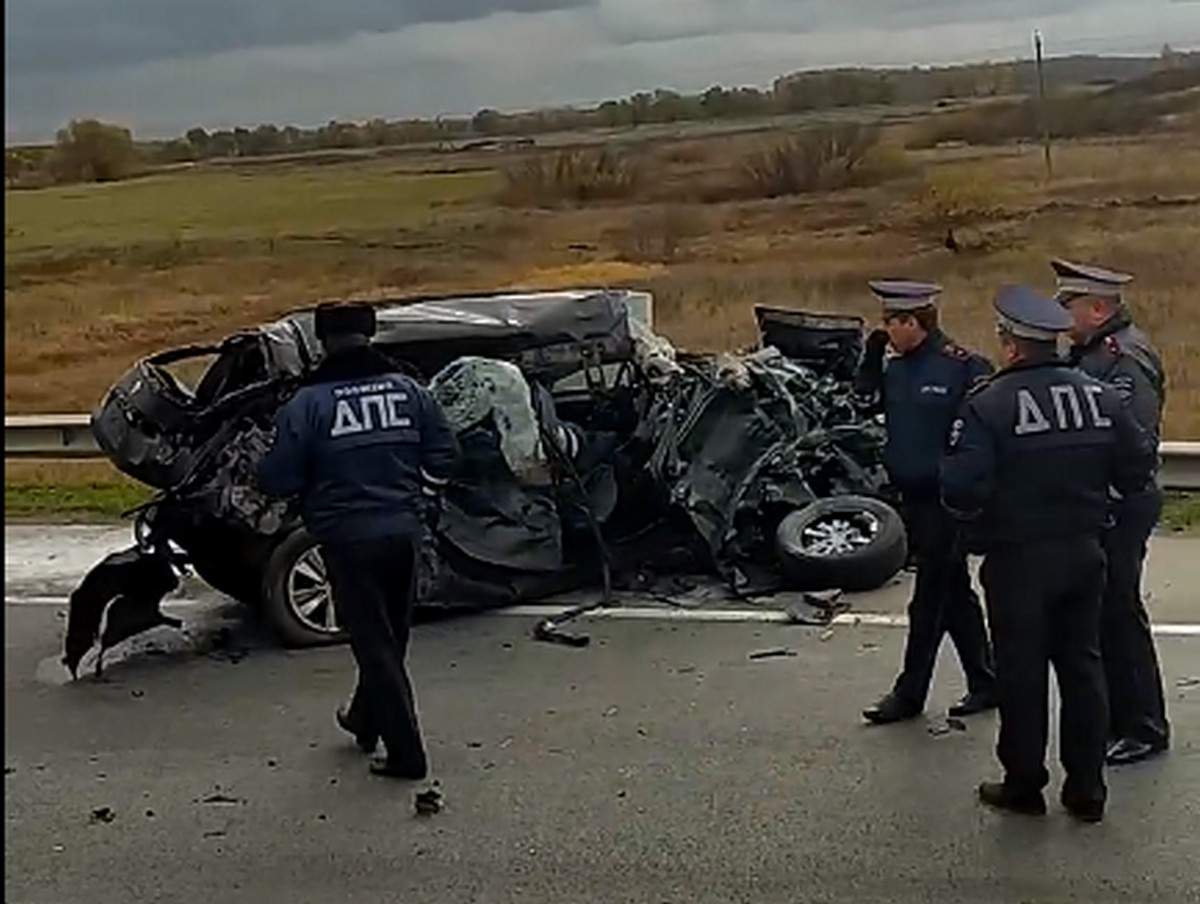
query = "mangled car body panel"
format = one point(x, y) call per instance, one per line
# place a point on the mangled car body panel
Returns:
point(582, 432)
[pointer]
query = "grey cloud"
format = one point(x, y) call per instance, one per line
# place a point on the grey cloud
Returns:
point(643, 21)
point(72, 35)
point(585, 54)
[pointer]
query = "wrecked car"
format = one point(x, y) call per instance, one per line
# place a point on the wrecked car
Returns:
point(586, 440)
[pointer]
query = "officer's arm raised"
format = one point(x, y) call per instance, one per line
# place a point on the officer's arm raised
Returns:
point(868, 381)
point(282, 471)
point(969, 467)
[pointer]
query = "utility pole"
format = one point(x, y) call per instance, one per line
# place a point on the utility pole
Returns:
point(1042, 117)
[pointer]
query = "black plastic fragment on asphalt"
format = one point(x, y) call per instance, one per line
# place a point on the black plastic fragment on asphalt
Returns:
point(778, 653)
point(103, 815)
point(816, 609)
point(220, 798)
point(429, 802)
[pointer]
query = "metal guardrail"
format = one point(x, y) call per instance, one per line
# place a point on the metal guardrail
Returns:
point(1180, 466)
point(49, 436)
point(70, 436)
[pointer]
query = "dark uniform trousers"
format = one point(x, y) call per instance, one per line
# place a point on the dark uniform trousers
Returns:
point(374, 587)
point(943, 602)
point(1135, 686)
point(1044, 608)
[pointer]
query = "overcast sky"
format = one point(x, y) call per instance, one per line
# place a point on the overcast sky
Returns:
point(161, 66)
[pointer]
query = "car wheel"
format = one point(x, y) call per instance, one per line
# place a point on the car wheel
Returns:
point(297, 595)
point(850, 543)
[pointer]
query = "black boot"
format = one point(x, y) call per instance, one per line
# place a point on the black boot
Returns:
point(1083, 809)
point(892, 708)
point(974, 703)
point(1000, 796)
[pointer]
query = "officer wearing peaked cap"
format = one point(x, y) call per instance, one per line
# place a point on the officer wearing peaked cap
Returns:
point(1033, 456)
point(1107, 345)
point(919, 391)
point(362, 445)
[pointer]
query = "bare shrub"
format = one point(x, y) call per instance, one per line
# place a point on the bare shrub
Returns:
point(819, 159)
point(883, 163)
point(1112, 112)
point(578, 176)
point(960, 205)
point(656, 235)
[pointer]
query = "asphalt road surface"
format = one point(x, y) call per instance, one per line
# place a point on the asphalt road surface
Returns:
point(660, 764)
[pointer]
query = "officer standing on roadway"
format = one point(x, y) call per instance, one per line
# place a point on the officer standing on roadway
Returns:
point(1110, 348)
point(1033, 456)
point(920, 391)
point(362, 445)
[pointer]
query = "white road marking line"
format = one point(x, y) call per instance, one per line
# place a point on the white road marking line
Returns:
point(64, 601)
point(647, 613)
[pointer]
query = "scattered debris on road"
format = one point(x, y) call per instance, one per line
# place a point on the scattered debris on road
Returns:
point(940, 729)
point(777, 653)
point(816, 609)
point(103, 815)
point(429, 802)
point(221, 799)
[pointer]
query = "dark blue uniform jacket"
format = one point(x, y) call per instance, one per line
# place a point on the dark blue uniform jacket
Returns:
point(359, 445)
point(1036, 451)
point(921, 395)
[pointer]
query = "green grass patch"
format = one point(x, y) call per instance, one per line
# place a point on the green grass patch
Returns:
point(1181, 512)
point(102, 499)
point(227, 204)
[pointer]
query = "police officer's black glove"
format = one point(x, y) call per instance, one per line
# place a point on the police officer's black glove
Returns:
point(876, 345)
point(870, 371)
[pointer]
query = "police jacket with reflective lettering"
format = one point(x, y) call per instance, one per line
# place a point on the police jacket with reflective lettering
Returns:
point(1121, 355)
point(358, 445)
point(921, 394)
point(1035, 451)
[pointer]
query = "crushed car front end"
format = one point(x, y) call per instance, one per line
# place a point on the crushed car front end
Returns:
point(583, 433)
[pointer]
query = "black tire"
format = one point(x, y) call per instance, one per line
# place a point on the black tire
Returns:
point(294, 566)
point(852, 543)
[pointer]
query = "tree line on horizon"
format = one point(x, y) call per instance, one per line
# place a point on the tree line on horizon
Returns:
point(92, 151)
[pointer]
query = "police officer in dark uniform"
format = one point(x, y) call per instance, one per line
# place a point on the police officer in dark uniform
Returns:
point(919, 391)
point(1110, 348)
point(362, 446)
point(1032, 458)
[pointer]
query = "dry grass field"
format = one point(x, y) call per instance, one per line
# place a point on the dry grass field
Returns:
point(97, 275)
